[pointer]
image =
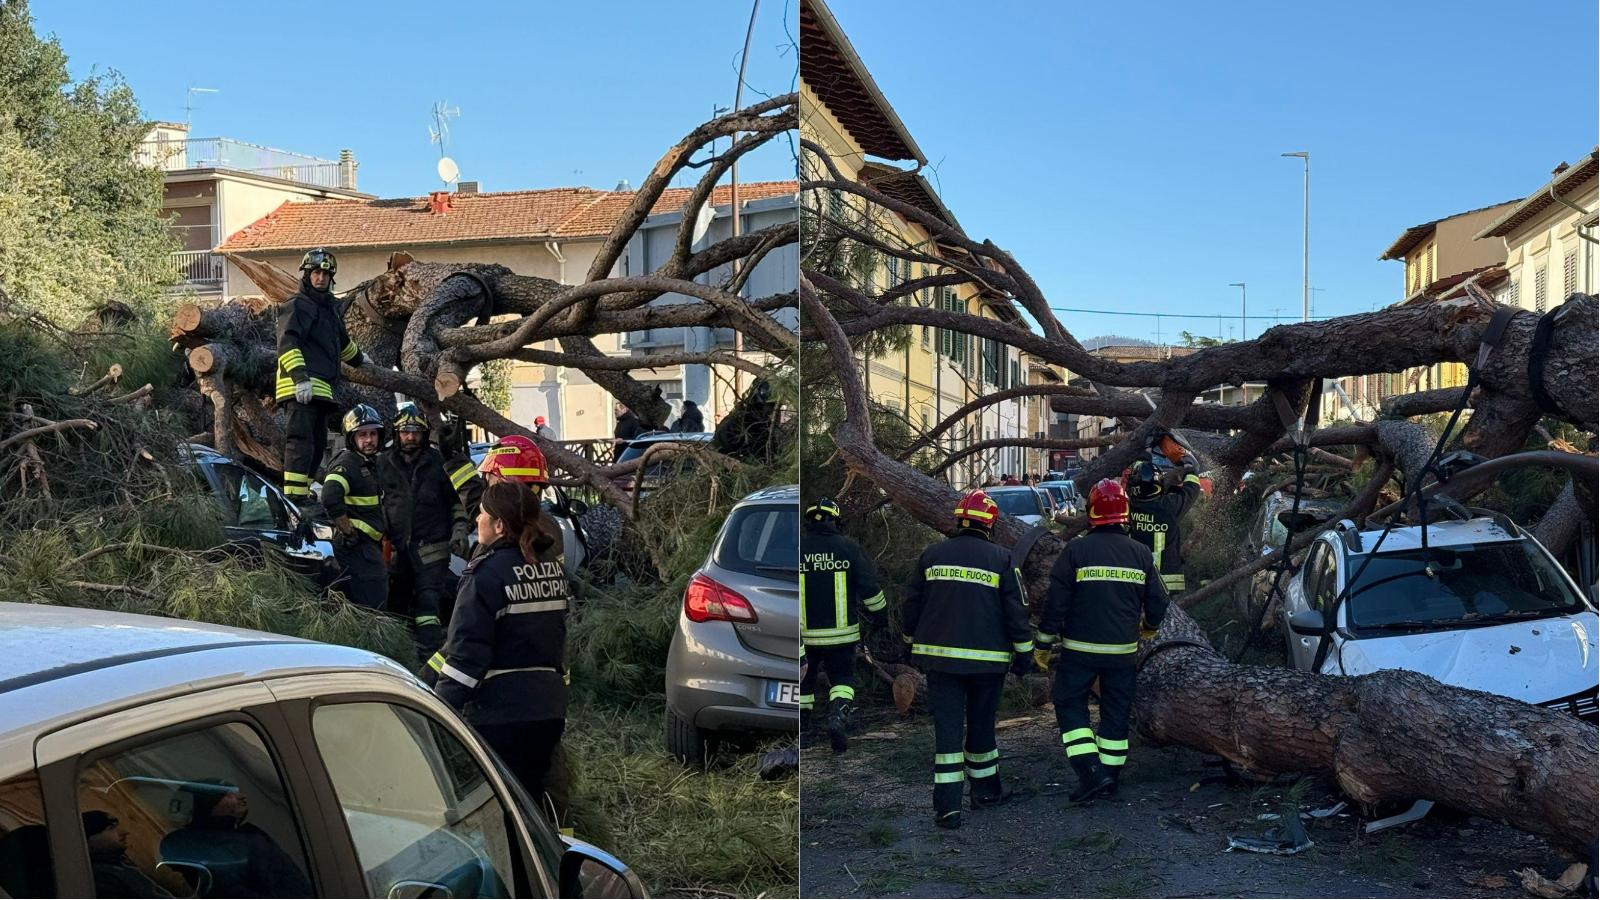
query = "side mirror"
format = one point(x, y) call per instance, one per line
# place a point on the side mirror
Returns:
point(1308, 623)
point(588, 871)
point(1297, 521)
point(577, 507)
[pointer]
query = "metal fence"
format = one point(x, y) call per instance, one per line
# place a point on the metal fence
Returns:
point(200, 268)
point(226, 153)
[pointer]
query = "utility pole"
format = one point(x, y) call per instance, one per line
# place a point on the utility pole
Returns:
point(1305, 241)
point(733, 198)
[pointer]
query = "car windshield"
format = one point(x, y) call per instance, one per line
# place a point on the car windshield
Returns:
point(1482, 583)
point(247, 501)
point(762, 540)
point(1017, 503)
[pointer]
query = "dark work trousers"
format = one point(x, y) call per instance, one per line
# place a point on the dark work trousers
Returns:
point(364, 578)
point(1075, 674)
point(839, 662)
point(964, 708)
point(531, 750)
point(419, 577)
point(304, 443)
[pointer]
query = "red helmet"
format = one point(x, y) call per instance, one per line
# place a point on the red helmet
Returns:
point(1108, 503)
point(516, 458)
point(977, 509)
point(538, 420)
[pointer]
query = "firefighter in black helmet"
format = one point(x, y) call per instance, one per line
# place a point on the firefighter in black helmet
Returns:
point(966, 624)
point(351, 495)
point(426, 519)
point(312, 342)
point(836, 578)
point(1156, 511)
point(1101, 587)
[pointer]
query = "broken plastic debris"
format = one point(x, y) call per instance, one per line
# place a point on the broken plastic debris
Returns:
point(1285, 840)
point(1328, 811)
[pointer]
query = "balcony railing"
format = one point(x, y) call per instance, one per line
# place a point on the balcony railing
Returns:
point(200, 268)
point(226, 153)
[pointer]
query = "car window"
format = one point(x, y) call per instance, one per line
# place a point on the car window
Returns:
point(1460, 583)
point(1327, 583)
point(1017, 503)
point(1311, 570)
point(248, 501)
point(201, 814)
point(761, 540)
point(424, 817)
point(25, 867)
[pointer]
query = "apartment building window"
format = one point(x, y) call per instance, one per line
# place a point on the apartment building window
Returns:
point(1514, 293)
point(926, 341)
point(835, 205)
point(1016, 374)
point(1541, 284)
point(1569, 273)
point(1433, 255)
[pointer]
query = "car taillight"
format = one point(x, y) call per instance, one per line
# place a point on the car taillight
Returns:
point(707, 601)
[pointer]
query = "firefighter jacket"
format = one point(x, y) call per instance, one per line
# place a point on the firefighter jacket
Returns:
point(963, 611)
point(465, 479)
point(419, 500)
point(351, 488)
point(1100, 587)
point(836, 577)
point(312, 341)
point(503, 658)
point(1157, 524)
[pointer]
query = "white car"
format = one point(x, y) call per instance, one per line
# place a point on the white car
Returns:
point(1019, 500)
point(1484, 607)
point(142, 756)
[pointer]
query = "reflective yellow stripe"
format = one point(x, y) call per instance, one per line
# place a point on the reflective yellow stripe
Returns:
point(367, 530)
point(828, 637)
point(999, 656)
point(1111, 743)
point(1106, 759)
point(463, 475)
point(1086, 647)
point(319, 388)
point(533, 473)
point(875, 602)
point(1080, 749)
point(844, 691)
point(1172, 582)
point(338, 479)
point(947, 777)
point(808, 700)
point(983, 757)
point(1044, 639)
point(948, 759)
point(297, 478)
point(360, 501)
point(427, 620)
point(349, 352)
point(983, 772)
point(1023, 646)
point(974, 513)
point(1191, 478)
point(841, 598)
point(1110, 573)
point(802, 603)
point(296, 490)
point(1077, 734)
point(436, 662)
point(1158, 546)
point(291, 360)
point(961, 573)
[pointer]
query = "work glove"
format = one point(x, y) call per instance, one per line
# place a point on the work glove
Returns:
point(345, 528)
point(1146, 632)
point(302, 391)
point(1042, 656)
point(1022, 663)
point(460, 543)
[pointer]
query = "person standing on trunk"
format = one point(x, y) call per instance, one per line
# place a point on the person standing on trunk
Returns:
point(312, 342)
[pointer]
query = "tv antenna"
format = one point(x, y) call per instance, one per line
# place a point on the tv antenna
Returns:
point(188, 101)
point(439, 133)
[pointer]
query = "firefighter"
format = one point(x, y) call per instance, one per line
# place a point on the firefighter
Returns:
point(1100, 587)
point(1156, 512)
point(516, 459)
point(462, 470)
point(503, 664)
point(312, 342)
point(836, 577)
point(426, 519)
point(964, 619)
point(353, 498)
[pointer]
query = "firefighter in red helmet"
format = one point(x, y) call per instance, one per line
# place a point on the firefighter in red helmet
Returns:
point(1105, 594)
point(966, 624)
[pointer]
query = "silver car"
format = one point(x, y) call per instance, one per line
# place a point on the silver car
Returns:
point(734, 663)
point(133, 748)
point(1019, 500)
point(1068, 500)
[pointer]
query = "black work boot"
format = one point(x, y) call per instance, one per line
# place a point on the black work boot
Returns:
point(1115, 774)
point(990, 792)
point(947, 820)
point(839, 711)
point(1093, 781)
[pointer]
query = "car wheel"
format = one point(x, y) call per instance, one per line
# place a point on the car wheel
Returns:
point(690, 745)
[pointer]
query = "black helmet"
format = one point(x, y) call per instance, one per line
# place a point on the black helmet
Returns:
point(822, 510)
point(1144, 482)
point(319, 259)
point(362, 416)
point(408, 416)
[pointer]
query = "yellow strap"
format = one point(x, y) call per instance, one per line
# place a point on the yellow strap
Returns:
point(367, 530)
point(338, 479)
point(462, 475)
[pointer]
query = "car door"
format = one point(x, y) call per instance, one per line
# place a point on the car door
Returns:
point(424, 809)
point(198, 796)
point(1297, 597)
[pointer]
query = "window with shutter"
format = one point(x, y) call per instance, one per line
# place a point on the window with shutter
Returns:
point(1433, 255)
point(1541, 283)
point(1514, 293)
point(1569, 273)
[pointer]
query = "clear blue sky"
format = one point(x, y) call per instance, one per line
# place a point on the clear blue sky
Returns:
point(551, 94)
point(1127, 154)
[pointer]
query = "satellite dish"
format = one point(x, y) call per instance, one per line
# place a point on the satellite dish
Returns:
point(448, 170)
point(702, 222)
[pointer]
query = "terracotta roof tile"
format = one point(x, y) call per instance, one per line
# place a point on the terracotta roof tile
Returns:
point(507, 215)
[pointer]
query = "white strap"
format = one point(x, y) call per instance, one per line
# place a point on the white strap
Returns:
point(536, 606)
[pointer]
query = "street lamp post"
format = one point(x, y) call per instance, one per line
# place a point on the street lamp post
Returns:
point(1305, 242)
point(1242, 316)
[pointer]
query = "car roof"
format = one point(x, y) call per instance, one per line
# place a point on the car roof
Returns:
point(785, 493)
point(1481, 530)
point(63, 663)
point(1001, 488)
point(672, 436)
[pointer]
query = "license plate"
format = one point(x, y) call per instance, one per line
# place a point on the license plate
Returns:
point(783, 693)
